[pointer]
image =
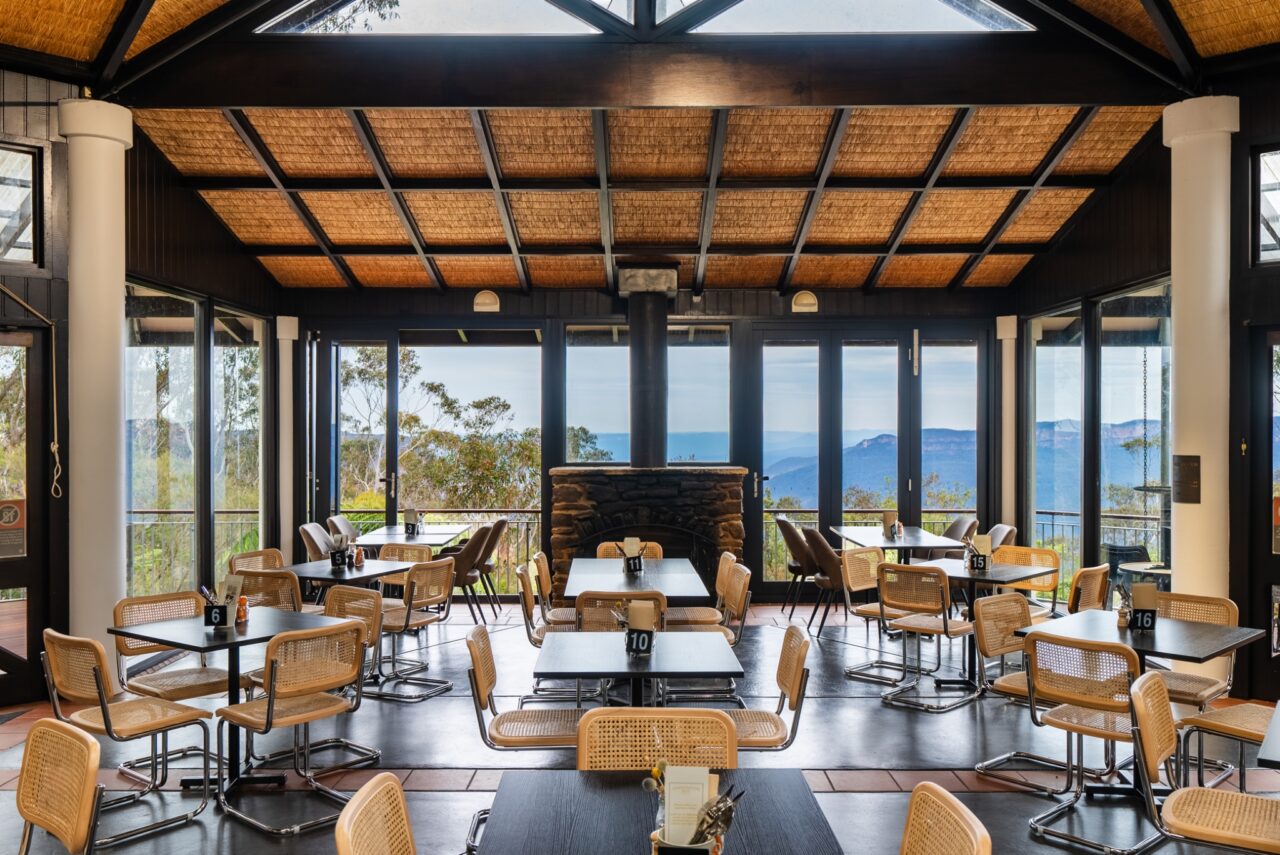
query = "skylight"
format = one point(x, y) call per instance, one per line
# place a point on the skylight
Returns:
point(426, 17)
point(861, 16)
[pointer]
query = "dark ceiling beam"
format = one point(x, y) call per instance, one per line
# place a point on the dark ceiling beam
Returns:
point(691, 17)
point(646, 15)
point(484, 138)
point(650, 250)
point(346, 71)
point(117, 43)
point(373, 151)
point(1175, 39)
point(830, 151)
point(268, 164)
point(715, 160)
point(940, 157)
point(600, 132)
point(596, 16)
point(46, 65)
point(1079, 122)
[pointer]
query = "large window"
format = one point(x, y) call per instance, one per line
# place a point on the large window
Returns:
point(869, 438)
point(362, 430)
point(160, 442)
point(698, 394)
point(1058, 342)
point(237, 434)
point(1267, 196)
point(19, 203)
point(597, 394)
point(949, 432)
point(790, 445)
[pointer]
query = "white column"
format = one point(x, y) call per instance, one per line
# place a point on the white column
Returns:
point(97, 136)
point(286, 335)
point(1198, 131)
point(1007, 335)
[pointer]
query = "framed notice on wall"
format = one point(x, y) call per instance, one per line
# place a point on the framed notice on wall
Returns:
point(1275, 620)
point(13, 528)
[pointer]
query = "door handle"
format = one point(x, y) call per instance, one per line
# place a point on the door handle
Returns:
point(755, 491)
point(392, 482)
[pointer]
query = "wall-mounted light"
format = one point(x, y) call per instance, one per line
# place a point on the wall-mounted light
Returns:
point(804, 302)
point(486, 301)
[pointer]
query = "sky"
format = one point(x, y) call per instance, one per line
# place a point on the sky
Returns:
point(1058, 383)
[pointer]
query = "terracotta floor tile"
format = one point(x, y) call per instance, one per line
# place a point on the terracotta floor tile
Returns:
point(817, 779)
point(439, 779)
point(486, 779)
point(862, 781)
point(9, 779)
point(948, 780)
point(357, 778)
point(8, 740)
point(975, 783)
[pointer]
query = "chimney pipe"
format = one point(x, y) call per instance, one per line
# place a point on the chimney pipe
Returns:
point(647, 318)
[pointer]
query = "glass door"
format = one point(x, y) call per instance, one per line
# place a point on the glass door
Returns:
point(948, 441)
point(874, 462)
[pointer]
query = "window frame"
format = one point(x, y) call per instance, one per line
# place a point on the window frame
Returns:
point(41, 222)
point(1255, 205)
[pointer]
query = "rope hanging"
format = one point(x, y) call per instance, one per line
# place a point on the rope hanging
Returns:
point(55, 485)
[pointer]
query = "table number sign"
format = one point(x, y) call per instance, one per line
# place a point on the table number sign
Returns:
point(642, 620)
point(411, 523)
point(1143, 618)
point(217, 615)
point(633, 555)
point(889, 524)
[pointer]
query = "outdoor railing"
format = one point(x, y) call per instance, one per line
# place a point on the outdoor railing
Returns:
point(161, 546)
point(1060, 531)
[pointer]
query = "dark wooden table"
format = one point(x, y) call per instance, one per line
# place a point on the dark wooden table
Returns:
point(323, 574)
point(429, 534)
point(913, 537)
point(264, 624)
point(1269, 753)
point(675, 578)
point(589, 813)
point(603, 656)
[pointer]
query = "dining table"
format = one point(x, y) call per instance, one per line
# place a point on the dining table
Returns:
point(322, 575)
point(434, 535)
point(912, 538)
point(675, 578)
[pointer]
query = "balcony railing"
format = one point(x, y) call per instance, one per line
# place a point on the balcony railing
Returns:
point(161, 546)
point(1060, 531)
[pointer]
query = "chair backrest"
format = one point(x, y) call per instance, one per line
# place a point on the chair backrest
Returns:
point(525, 584)
point(860, 563)
point(1002, 534)
point(737, 594)
point(376, 820)
point(306, 661)
point(791, 671)
point(824, 557)
point(468, 557)
point(1118, 554)
point(415, 552)
point(595, 608)
point(914, 588)
point(156, 607)
point(483, 670)
point(261, 559)
point(797, 546)
point(613, 549)
point(58, 785)
point(362, 604)
point(1089, 588)
point(317, 541)
point(341, 525)
point(938, 823)
point(1190, 607)
point(546, 587)
point(69, 662)
point(1092, 674)
point(277, 589)
point(994, 621)
point(961, 527)
point(1157, 735)
point(496, 530)
point(429, 583)
point(724, 575)
point(1030, 556)
point(627, 738)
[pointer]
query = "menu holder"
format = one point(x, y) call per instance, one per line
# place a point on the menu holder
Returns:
point(633, 555)
point(218, 616)
point(1145, 607)
point(980, 557)
point(411, 523)
point(889, 524)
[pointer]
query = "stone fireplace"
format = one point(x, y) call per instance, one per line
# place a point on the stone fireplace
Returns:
point(695, 512)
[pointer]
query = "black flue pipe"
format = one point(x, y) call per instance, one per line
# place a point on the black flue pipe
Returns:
point(647, 318)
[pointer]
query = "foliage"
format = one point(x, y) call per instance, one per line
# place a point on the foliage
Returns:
point(343, 20)
point(13, 422)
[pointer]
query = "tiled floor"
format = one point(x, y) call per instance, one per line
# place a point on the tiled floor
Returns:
point(858, 755)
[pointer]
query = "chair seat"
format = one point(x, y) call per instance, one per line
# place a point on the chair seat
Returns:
point(1225, 816)
point(872, 612)
point(182, 683)
point(467, 579)
point(1239, 721)
point(137, 716)
point(397, 579)
point(1013, 685)
point(694, 614)
point(562, 616)
point(703, 627)
point(312, 609)
point(1039, 612)
point(1104, 725)
point(529, 728)
point(288, 711)
point(540, 631)
point(394, 612)
point(1192, 689)
point(758, 728)
point(932, 625)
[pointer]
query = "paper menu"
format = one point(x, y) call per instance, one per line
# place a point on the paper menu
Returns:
point(889, 523)
point(982, 543)
point(234, 582)
point(642, 615)
point(686, 790)
point(1144, 595)
point(631, 547)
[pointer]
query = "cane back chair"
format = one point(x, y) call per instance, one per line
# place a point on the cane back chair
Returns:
point(58, 787)
point(631, 738)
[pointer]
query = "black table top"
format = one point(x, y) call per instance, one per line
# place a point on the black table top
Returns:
point(324, 571)
point(264, 624)
point(675, 578)
point(588, 813)
point(913, 537)
point(590, 655)
point(1186, 641)
point(996, 574)
point(429, 534)
point(1269, 753)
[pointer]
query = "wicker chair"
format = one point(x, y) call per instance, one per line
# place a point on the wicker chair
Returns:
point(613, 549)
point(276, 589)
point(513, 730)
point(307, 675)
point(1244, 724)
point(938, 823)
point(376, 820)
point(924, 592)
point(261, 559)
point(428, 594)
point(545, 588)
point(1239, 822)
point(801, 565)
point(317, 541)
point(680, 615)
point(1030, 556)
point(485, 563)
point(859, 564)
point(1090, 682)
point(761, 730)
point(1090, 589)
point(634, 738)
point(415, 553)
point(76, 670)
point(535, 631)
point(58, 787)
point(830, 576)
point(596, 608)
point(736, 605)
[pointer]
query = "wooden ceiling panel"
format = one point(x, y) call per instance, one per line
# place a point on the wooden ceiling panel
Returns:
point(543, 143)
point(921, 271)
point(743, 271)
point(478, 271)
point(166, 18)
point(857, 216)
point(353, 218)
point(832, 271)
point(891, 141)
point(1127, 16)
point(388, 271)
point(258, 217)
point(745, 217)
point(996, 271)
point(656, 218)
point(303, 272)
point(312, 143)
point(566, 271)
point(75, 29)
point(957, 216)
point(1007, 140)
point(1226, 26)
point(457, 219)
point(776, 143)
point(1111, 135)
point(1044, 214)
point(428, 143)
point(658, 144)
point(556, 218)
point(198, 142)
